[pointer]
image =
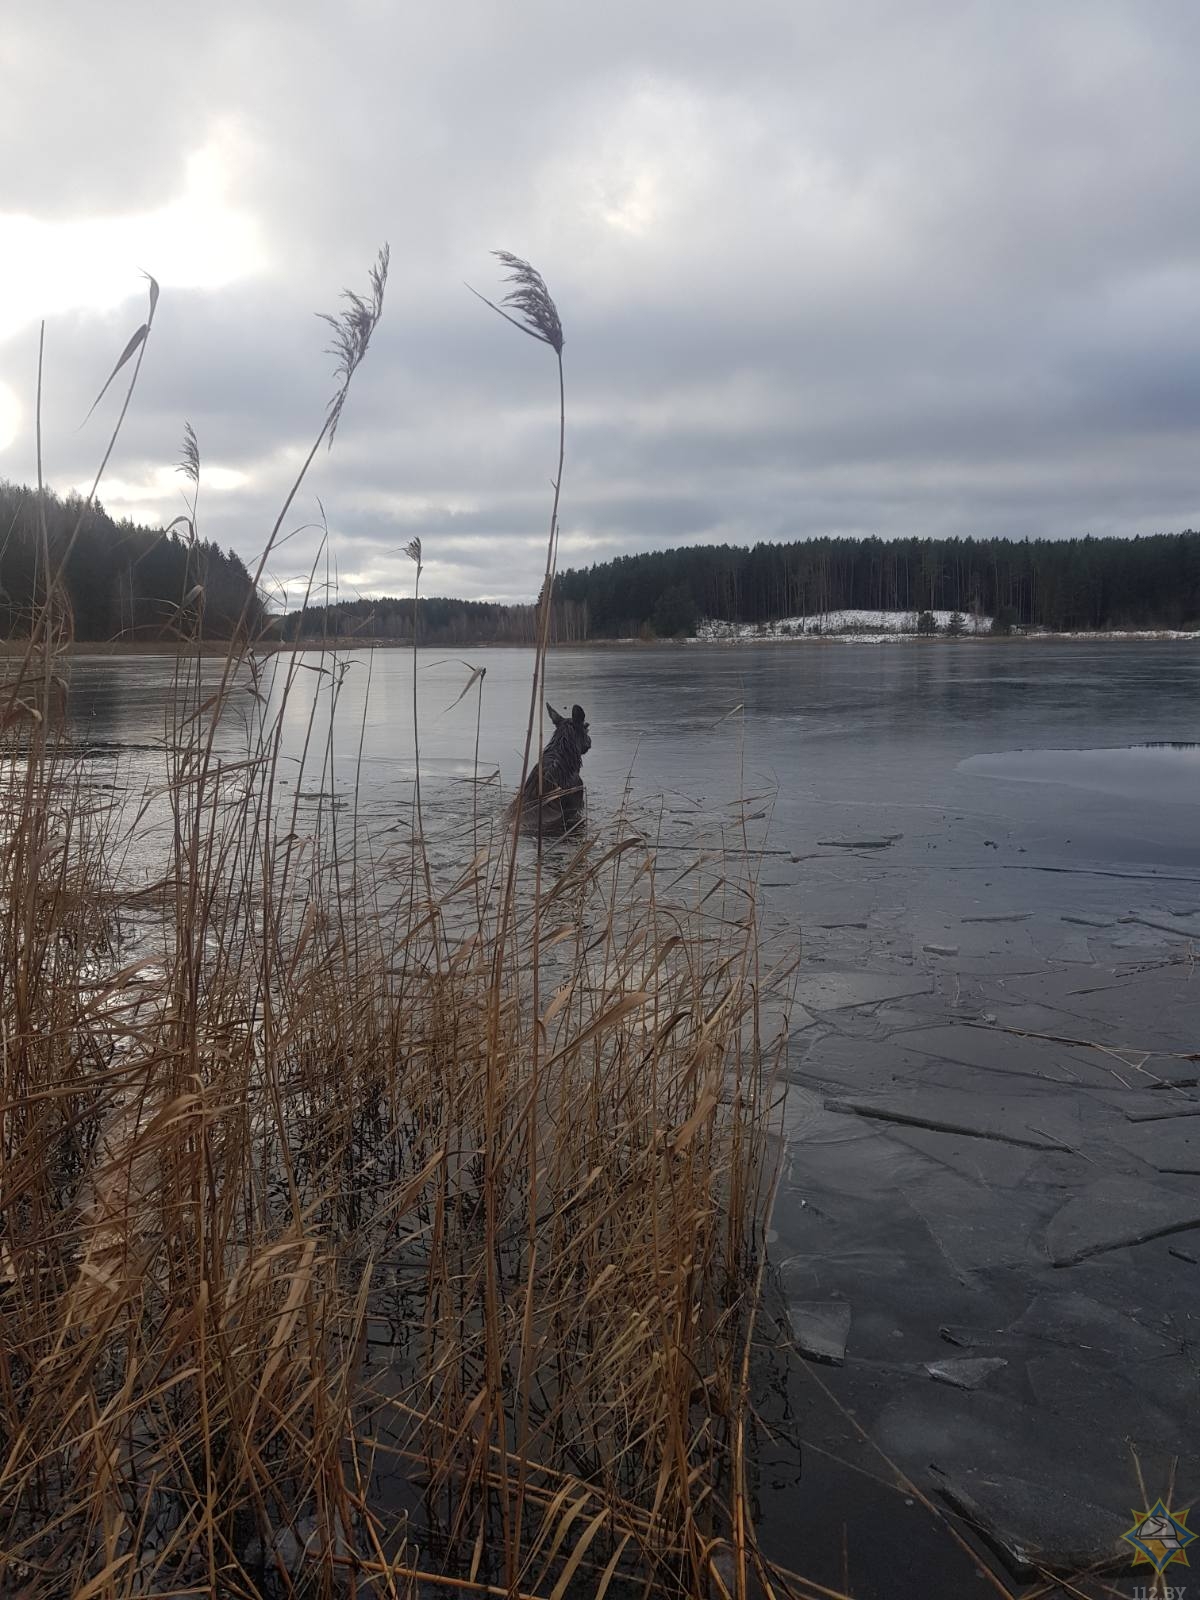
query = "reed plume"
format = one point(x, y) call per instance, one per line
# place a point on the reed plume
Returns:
point(189, 463)
point(536, 313)
point(352, 328)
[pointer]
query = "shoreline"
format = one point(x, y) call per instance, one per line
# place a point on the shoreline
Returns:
point(14, 649)
point(1115, 636)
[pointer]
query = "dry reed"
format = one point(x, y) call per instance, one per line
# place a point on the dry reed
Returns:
point(383, 1227)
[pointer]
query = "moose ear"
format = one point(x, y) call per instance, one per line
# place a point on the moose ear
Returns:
point(577, 715)
point(556, 717)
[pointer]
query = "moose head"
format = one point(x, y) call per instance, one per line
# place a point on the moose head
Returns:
point(575, 727)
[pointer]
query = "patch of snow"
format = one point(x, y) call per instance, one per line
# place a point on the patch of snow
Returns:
point(854, 624)
point(878, 627)
point(1090, 634)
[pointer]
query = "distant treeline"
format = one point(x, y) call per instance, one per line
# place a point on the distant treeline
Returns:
point(122, 581)
point(1064, 584)
point(442, 622)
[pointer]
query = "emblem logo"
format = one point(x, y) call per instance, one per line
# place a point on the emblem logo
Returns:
point(1160, 1537)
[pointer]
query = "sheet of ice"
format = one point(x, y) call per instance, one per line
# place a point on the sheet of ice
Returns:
point(1077, 1321)
point(1114, 1213)
point(834, 991)
point(1070, 1386)
point(965, 1372)
point(1165, 770)
point(1033, 1493)
point(821, 1329)
point(1007, 1121)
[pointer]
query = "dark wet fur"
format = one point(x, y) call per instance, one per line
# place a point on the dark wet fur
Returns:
point(559, 775)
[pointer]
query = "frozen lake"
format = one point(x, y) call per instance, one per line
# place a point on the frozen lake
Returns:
point(990, 856)
point(900, 738)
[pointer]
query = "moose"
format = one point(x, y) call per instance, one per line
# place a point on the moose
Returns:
point(552, 798)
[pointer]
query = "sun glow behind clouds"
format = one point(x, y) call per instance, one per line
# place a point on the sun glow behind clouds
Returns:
point(163, 493)
point(198, 240)
point(649, 163)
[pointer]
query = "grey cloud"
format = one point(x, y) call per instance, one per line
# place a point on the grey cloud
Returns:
point(920, 269)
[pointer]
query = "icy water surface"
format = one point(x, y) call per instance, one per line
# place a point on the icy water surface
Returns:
point(850, 741)
point(1165, 770)
point(988, 1231)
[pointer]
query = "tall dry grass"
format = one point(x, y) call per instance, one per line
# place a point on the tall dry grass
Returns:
point(386, 1230)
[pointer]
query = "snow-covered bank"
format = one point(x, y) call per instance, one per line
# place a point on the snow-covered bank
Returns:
point(1100, 634)
point(835, 624)
point(883, 627)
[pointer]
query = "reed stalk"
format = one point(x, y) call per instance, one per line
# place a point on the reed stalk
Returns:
point(367, 1222)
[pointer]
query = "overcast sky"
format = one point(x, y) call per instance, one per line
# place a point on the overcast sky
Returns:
point(929, 267)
